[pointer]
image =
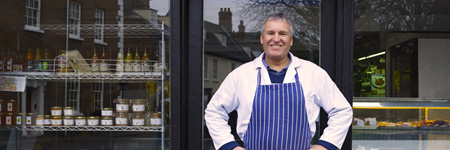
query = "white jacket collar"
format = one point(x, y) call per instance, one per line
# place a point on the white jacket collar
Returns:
point(290, 74)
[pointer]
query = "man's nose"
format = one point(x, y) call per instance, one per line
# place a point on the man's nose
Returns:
point(276, 37)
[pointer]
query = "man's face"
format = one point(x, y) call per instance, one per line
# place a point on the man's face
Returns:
point(276, 39)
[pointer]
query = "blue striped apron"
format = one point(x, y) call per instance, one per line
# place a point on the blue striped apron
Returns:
point(278, 120)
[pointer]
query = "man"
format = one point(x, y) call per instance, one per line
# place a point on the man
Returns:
point(278, 98)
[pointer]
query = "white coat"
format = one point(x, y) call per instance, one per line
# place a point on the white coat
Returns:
point(238, 89)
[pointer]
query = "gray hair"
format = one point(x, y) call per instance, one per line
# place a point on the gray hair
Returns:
point(277, 16)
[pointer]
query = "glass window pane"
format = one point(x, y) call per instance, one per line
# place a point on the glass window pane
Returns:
point(232, 38)
point(401, 74)
point(110, 28)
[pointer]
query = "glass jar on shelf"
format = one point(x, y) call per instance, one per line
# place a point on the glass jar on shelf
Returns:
point(122, 119)
point(69, 121)
point(122, 105)
point(93, 121)
point(40, 120)
point(19, 119)
point(138, 105)
point(47, 120)
point(31, 119)
point(57, 121)
point(56, 111)
point(10, 119)
point(107, 121)
point(138, 119)
point(11, 106)
point(107, 112)
point(155, 119)
point(2, 105)
point(68, 111)
point(80, 121)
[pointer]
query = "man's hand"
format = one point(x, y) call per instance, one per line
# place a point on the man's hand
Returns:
point(318, 147)
point(238, 148)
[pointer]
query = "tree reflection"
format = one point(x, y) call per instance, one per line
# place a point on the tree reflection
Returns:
point(303, 14)
point(396, 15)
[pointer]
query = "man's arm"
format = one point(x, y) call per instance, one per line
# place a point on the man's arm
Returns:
point(216, 114)
point(340, 113)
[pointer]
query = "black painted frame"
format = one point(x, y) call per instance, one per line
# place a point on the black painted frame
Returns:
point(186, 46)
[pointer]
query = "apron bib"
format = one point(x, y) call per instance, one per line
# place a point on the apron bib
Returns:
point(278, 120)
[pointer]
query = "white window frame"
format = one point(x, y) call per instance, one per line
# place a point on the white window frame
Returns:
point(99, 26)
point(33, 7)
point(205, 69)
point(215, 70)
point(75, 20)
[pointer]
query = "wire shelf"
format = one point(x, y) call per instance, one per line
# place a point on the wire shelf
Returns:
point(87, 128)
point(89, 76)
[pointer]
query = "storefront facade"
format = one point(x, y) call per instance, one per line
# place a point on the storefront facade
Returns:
point(388, 58)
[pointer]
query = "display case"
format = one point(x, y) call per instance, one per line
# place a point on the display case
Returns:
point(404, 123)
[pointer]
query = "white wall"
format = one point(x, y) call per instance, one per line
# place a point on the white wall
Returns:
point(434, 68)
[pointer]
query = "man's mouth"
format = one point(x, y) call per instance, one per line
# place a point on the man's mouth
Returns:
point(276, 45)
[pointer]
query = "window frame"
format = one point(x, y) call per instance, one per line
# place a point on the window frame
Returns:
point(99, 24)
point(74, 16)
point(215, 65)
point(35, 24)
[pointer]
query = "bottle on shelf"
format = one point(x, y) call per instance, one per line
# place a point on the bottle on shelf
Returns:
point(94, 61)
point(63, 66)
point(46, 60)
point(137, 64)
point(128, 61)
point(9, 62)
point(1, 61)
point(119, 63)
point(103, 61)
point(29, 60)
point(18, 63)
point(37, 59)
point(146, 61)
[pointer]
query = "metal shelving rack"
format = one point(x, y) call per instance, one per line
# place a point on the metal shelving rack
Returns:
point(135, 31)
point(87, 128)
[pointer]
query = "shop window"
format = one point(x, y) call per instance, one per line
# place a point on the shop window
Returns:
point(99, 26)
point(33, 15)
point(74, 20)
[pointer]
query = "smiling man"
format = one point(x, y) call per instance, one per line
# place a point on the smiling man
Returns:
point(278, 98)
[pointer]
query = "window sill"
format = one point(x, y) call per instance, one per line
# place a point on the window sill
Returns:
point(74, 37)
point(33, 29)
point(215, 80)
point(100, 42)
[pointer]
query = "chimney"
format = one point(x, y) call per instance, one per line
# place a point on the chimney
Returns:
point(241, 33)
point(225, 19)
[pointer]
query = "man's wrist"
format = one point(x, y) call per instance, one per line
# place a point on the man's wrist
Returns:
point(327, 145)
point(229, 146)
